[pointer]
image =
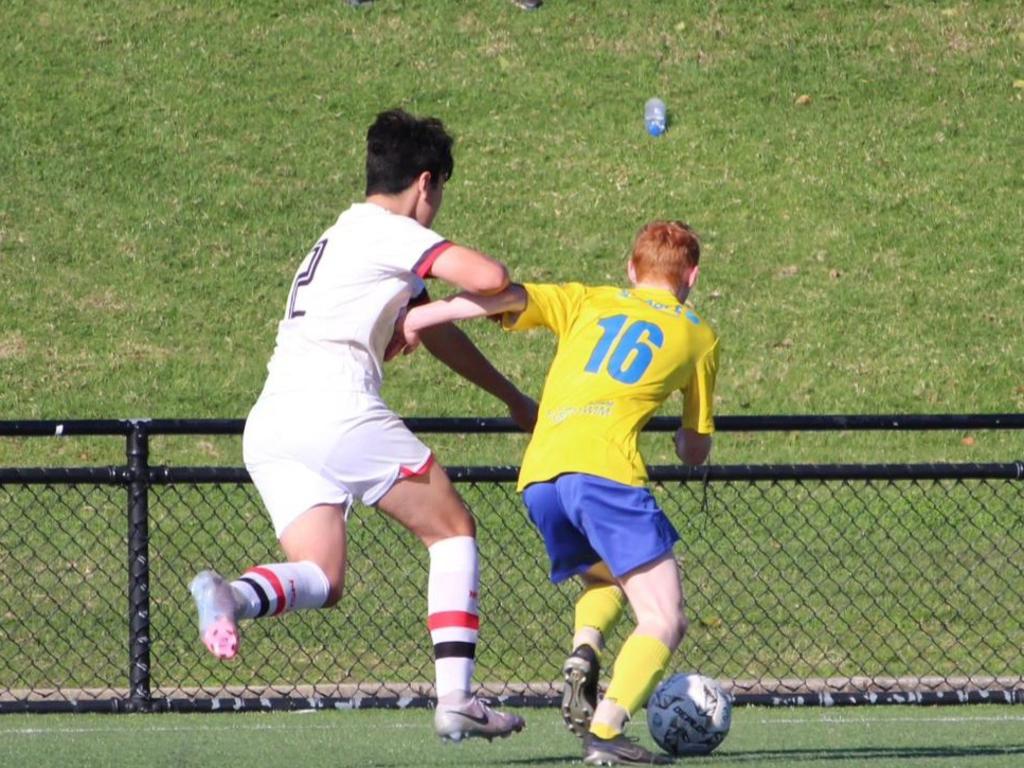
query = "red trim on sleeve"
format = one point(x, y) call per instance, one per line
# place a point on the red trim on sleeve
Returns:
point(422, 267)
point(275, 582)
point(447, 619)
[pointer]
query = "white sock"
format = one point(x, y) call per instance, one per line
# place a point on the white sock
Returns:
point(588, 636)
point(267, 590)
point(452, 615)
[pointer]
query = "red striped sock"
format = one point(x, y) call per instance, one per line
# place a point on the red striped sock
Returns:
point(269, 590)
point(452, 614)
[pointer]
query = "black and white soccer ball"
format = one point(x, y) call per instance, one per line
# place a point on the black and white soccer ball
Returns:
point(689, 714)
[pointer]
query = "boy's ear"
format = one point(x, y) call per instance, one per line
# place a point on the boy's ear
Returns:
point(631, 271)
point(691, 279)
point(423, 181)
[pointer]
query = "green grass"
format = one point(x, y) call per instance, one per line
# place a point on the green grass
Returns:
point(164, 169)
point(986, 736)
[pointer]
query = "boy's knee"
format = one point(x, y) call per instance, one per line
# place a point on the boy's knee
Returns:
point(674, 626)
point(451, 520)
point(668, 626)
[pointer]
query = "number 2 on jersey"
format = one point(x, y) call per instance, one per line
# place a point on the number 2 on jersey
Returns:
point(621, 344)
point(305, 277)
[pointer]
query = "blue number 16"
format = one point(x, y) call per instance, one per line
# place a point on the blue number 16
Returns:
point(638, 338)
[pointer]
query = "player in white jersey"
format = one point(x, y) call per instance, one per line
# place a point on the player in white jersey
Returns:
point(319, 437)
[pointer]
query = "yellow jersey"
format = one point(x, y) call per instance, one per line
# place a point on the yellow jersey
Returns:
point(621, 352)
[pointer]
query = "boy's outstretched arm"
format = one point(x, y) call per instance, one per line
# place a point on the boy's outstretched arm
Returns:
point(463, 306)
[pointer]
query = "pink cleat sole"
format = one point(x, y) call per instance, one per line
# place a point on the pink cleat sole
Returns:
point(216, 607)
point(221, 638)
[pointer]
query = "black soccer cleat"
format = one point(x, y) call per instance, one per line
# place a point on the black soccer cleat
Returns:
point(618, 750)
point(581, 671)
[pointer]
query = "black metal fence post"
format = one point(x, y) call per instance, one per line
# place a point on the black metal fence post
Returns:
point(138, 568)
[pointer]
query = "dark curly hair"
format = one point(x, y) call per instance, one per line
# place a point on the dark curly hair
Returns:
point(400, 146)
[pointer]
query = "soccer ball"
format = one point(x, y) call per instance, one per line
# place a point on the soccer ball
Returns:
point(689, 714)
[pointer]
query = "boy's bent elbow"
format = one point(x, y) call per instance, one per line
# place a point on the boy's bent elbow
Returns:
point(493, 279)
point(470, 270)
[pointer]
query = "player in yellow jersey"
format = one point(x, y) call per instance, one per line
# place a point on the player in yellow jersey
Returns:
point(621, 353)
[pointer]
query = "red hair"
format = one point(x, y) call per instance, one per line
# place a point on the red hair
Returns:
point(665, 251)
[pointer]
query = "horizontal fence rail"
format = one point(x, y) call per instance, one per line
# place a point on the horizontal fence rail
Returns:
point(806, 584)
point(809, 423)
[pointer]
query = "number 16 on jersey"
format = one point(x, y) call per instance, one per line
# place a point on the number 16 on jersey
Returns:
point(628, 349)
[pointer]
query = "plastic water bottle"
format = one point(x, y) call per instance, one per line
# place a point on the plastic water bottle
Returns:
point(654, 116)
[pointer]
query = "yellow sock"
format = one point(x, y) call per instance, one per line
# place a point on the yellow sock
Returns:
point(599, 607)
point(638, 668)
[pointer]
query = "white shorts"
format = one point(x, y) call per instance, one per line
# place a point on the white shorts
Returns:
point(302, 450)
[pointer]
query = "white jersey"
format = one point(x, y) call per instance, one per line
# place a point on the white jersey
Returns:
point(344, 301)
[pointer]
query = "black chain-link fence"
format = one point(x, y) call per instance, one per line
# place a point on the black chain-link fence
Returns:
point(825, 584)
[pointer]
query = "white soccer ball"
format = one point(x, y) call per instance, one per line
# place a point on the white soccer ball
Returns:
point(689, 714)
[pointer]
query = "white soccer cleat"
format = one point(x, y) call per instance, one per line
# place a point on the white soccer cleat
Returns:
point(474, 719)
point(216, 605)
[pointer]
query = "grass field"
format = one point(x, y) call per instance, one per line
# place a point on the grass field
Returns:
point(984, 736)
point(164, 170)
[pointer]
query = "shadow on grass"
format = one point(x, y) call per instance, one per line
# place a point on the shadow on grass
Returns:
point(859, 756)
point(869, 753)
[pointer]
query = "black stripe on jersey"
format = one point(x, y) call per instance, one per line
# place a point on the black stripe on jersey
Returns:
point(454, 650)
point(264, 600)
point(423, 297)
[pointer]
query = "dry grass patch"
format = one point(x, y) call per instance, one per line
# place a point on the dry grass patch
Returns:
point(13, 346)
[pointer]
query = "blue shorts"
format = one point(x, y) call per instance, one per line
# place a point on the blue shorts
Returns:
point(585, 519)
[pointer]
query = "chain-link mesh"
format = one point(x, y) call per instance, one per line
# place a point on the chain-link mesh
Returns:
point(794, 587)
point(63, 629)
point(849, 586)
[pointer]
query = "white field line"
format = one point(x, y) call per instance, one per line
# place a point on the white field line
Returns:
point(307, 726)
point(190, 729)
point(834, 720)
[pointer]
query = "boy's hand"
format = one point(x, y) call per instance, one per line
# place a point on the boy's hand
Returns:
point(403, 340)
point(692, 447)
